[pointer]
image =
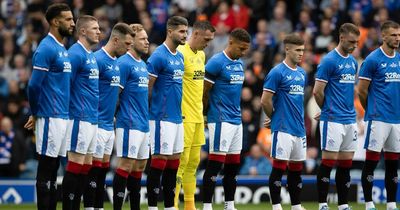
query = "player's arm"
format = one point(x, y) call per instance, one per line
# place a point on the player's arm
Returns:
point(266, 102)
point(152, 80)
point(319, 92)
point(206, 90)
point(362, 89)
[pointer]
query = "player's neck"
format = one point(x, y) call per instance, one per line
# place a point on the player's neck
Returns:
point(192, 45)
point(135, 55)
point(341, 51)
point(290, 63)
point(388, 50)
point(57, 35)
point(110, 50)
point(85, 44)
point(171, 46)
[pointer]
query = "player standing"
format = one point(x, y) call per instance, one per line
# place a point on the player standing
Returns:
point(49, 95)
point(222, 91)
point(83, 111)
point(334, 93)
point(283, 103)
point(379, 92)
point(192, 110)
point(132, 121)
point(109, 82)
point(165, 68)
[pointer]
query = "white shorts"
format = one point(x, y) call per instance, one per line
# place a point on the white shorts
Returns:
point(225, 138)
point(81, 137)
point(337, 137)
point(166, 138)
point(132, 143)
point(50, 136)
point(288, 147)
point(104, 143)
point(381, 135)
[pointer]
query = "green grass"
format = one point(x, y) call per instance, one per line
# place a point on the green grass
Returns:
point(261, 206)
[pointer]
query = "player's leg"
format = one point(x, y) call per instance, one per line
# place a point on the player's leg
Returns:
point(216, 159)
point(189, 129)
point(232, 163)
point(49, 134)
point(344, 163)
point(376, 133)
point(280, 151)
point(295, 166)
point(134, 181)
point(171, 169)
point(329, 156)
point(126, 151)
point(100, 190)
point(391, 150)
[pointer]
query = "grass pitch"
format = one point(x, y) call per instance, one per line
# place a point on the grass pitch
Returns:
point(261, 206)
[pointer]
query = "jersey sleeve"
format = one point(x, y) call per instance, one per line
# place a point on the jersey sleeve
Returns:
point(213, 68)
point(76, 63)
point(366, 70)
point(124, 73)
point(155, 64)
point(272, 81)
point(43, 58)
point(324, 70)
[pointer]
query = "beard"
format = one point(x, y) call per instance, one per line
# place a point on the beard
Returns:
point(64, 31)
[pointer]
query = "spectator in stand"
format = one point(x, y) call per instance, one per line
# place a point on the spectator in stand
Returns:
point(371, 43)
point(223, 17)
point(12, 149)
point(241, 14)
point(280, 23)
point(256, 163)
point(199, 13)
point(305, 24)
point(325, 37)
point(113, 10)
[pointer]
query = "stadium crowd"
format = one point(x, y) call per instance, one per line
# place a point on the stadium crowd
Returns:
point(22, 26)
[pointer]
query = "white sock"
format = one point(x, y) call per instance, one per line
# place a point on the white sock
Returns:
point(170, 208)
point(89, 208)
point(369, 205)
point(391, 205)
point(277, 207)
point(343, 206)
point(320, 205)
point(296, 207)
point(153, 208)
point(207, 206)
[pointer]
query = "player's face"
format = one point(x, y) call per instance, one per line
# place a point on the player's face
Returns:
point(239, 48)
point(179, 35)
point(66, 23)
point(141, 42)
point(123, 44)
point(391, 37)
point(349, 42)
point(294, 52)
point(92, 32)
point(203, 38)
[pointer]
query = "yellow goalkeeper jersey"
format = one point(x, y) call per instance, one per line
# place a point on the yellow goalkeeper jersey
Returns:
point(192, 88)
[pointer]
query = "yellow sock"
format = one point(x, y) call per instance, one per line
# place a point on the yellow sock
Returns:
point(177, 192)
point(188, 191)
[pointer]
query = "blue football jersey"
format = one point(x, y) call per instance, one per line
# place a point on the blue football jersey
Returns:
point(288, 85)
point(109, 79)
point(383, 100)
point(49, 86)
point(339, 73)
point(84, 104)
point(133, 110)
point(227, 77)
point(166, 94)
